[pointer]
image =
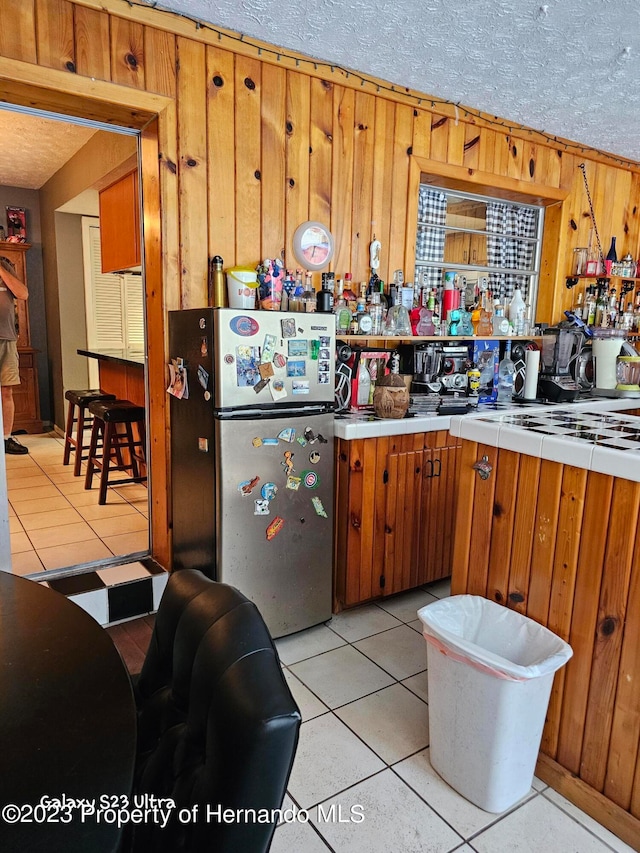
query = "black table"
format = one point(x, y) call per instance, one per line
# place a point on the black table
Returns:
point(67, 721)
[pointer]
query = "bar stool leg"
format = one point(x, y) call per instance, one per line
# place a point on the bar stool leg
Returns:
point(109, 445)
point(88, 480)
point(79, 441)
point(134, 457)
point(68, 434)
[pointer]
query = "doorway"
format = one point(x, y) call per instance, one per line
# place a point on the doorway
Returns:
point(56, 526)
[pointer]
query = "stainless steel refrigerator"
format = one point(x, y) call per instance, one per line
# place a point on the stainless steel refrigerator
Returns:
point(252, 465)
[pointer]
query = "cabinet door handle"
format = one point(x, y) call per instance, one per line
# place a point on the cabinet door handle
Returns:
point(439, 468)
point(428, 471)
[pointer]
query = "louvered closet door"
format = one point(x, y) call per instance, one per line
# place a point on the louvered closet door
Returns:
point(106, 327)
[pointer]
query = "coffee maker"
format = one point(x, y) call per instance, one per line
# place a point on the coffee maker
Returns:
point(560, 346)
point(437, 368)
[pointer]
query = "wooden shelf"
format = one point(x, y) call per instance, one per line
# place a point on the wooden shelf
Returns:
point(450, 338)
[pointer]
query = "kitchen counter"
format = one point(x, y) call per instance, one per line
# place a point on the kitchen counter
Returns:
point(118, 356)
point(547, 523)
point(355, 425)
point(595, 434)
point(121, 372)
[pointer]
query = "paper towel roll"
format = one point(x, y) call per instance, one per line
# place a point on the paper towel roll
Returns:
point(532, 363)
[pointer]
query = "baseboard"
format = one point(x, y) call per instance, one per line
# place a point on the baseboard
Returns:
point(596, 805)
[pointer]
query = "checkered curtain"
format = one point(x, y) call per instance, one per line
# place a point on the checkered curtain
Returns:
point(432, 211)
point(505, 224)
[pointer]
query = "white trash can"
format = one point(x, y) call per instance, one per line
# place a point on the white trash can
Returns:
point(490, 672)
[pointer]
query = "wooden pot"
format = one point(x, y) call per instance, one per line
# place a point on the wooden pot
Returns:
point(390, 397)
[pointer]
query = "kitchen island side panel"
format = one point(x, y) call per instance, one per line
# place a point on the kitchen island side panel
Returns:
point(573, 566)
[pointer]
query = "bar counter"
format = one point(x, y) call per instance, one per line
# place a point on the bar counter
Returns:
point(121, 372)
point(547, 523)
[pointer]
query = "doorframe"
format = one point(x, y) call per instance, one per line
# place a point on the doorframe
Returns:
point(154, 116)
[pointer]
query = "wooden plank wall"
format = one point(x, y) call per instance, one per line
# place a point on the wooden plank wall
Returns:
point(264, 144)
point(562, 546)
point(252, 143)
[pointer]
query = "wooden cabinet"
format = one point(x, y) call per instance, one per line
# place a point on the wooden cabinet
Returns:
point(25, 395)
point(120, 224)
point(395, 511)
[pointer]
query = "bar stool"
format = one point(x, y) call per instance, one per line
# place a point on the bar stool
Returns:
point(77, 414)
point(113, 421)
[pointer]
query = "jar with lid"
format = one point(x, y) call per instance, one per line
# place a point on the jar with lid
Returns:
point(627, 266)
point(580, 257)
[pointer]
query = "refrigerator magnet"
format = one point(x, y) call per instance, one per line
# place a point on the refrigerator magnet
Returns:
point(288, 462)
point(261, 385)
point(298, 348)
point(268, 491)
point(310, 479)
point(203, 377)
point(274, 528)
point(300, 386)
point(268, 348)
point(320, 510)
point(302, 441)
point(277, 388)
point(296, 367)
point(257, 442)
point(266, 370)
point(279, 360)
point(247, 486)
point(261, 507)
point(293, 483)
point(314, 457)
point(288, 326)
point(287, 434)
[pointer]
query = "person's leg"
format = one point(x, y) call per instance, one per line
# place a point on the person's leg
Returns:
point(8, 410)
point(9, 376)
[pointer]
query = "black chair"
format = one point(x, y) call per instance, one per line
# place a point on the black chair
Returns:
point(218, 727)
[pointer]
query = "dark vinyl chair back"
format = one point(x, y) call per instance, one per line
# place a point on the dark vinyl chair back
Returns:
point(218, 724)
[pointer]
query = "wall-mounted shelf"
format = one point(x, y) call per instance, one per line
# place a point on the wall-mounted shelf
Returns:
point(450, 338)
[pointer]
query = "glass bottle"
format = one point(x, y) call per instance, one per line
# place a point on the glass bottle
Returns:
point(364, 384)
point(612, 255)
point(506, 372)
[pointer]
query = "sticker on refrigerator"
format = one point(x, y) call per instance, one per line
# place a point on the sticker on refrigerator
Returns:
point(310, 479)
point(288, 434)
point(277, 388)
point(320, 510)
point(247, 486)
point(325, 341)
point(296, 367)
point(244, 326)
point(247, 361)
point(274, 528)
point(204, 347)
point(268, 491)
point(203, 445)
point(300, 386)
point(298, 348)
point(268, 348)
point(261, 507)
point(203, 377)
point(288, 326)
point(293, 483)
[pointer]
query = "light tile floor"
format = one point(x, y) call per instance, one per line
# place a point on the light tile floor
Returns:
point(54, 522)
point(360, 681)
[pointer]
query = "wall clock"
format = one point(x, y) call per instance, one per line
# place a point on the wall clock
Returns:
point(313, 245)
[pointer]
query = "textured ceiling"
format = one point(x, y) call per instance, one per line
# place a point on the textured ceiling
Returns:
point(568, 67)
point(32, 149)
